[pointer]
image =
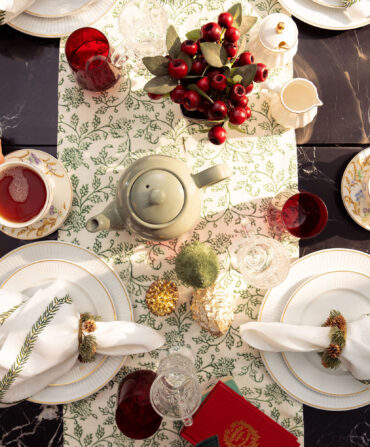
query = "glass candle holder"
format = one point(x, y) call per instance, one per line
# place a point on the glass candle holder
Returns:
point(95, 65)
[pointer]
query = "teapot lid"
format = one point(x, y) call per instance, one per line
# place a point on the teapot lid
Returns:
point(278, 32)
point(157, 196)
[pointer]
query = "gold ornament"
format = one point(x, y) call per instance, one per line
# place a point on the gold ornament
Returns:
point(213, 308)
point(161, 297)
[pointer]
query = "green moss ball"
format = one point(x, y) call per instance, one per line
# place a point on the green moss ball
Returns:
point(197, 265)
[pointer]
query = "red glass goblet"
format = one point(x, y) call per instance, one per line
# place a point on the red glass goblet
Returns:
point(304, 215)
point(90, 58)
point(135, 416)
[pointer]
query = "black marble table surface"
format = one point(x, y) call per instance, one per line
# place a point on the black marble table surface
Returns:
point(337, 62)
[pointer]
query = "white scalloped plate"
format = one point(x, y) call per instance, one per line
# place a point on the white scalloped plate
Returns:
point(46, 250)
point(272, 308)
point(52, 9)
point(62, 26)
point(87, 292)
point(343, 290)
point(322, 16)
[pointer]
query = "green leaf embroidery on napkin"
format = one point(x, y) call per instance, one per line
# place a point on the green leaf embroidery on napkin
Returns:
point(5, 315)
point(30, 341)
point(2, 16)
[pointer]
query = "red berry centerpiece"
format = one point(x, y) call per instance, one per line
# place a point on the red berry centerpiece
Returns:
point(210, 73)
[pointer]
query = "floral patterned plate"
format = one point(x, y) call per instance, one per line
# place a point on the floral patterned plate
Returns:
point(354, 190)
point(62, 195)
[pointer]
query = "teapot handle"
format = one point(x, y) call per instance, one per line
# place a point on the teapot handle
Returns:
point(212, 175)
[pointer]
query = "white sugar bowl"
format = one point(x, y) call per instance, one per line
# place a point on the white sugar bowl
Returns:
point(277, 40)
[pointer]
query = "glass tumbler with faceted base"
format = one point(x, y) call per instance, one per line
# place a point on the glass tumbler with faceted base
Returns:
point(175, 393)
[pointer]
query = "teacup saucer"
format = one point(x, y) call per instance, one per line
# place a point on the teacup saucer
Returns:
point(62, 195)
point(354, 194)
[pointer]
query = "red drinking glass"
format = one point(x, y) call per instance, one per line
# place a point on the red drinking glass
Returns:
point(90, 58)
point(135, 416)
point(304, 215)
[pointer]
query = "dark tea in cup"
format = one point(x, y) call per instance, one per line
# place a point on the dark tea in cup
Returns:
point(23, 194)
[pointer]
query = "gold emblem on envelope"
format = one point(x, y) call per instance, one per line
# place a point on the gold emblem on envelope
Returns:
point(241, 434)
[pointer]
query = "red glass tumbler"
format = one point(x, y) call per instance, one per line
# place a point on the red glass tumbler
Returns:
point(135, 416)
point(304, 215)
point(90, 58)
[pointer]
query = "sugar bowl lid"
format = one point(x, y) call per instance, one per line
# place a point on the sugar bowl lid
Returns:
point(278, 32)
point(157, 196)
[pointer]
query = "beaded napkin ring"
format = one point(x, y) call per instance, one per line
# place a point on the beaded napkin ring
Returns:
point(87, 343)
point(338, 332)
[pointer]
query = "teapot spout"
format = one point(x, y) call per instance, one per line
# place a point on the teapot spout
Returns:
point(108, 219)
point(97, 223)
point(212, 175)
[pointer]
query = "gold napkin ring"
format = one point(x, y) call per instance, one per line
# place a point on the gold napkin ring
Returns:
point(86, 340)
point(337, 335)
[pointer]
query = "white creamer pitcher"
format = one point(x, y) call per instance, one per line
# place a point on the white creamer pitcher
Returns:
point(295, 104)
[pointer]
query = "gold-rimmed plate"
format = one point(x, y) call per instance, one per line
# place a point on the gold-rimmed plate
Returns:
point(323, 17)
point(46, 250)
point(52, 9)
point(355, 188)
point(330, 3)
point(61, 26)
point(273, 306)
point(342, 290)
point(86, 290)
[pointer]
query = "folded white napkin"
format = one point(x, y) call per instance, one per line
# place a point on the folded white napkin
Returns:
point(359, 10)
point(11, 8)
point(281, 337)
point(39, 340)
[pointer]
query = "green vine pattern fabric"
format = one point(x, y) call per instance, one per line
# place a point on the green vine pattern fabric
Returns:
point(99, 136)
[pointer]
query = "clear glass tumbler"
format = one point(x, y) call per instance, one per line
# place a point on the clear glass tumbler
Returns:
point(143, 25)
point(175, 393)
point(263, 261)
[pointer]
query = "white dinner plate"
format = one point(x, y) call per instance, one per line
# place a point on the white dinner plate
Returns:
point(272, 308)
point(345, 291)
point(86, 259)
point(62, 26)
point(330, 3)
point(87, 292)
point(52, 9)
point(322, 16)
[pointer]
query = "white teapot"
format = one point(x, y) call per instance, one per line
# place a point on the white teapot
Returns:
point(294, 104)
point(277, 40)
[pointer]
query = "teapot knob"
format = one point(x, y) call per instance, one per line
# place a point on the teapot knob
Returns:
point(156, 197)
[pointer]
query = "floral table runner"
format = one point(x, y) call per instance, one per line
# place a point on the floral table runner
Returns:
point(99, 136)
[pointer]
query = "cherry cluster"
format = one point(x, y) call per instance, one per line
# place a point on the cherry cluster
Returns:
point(230, 101)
